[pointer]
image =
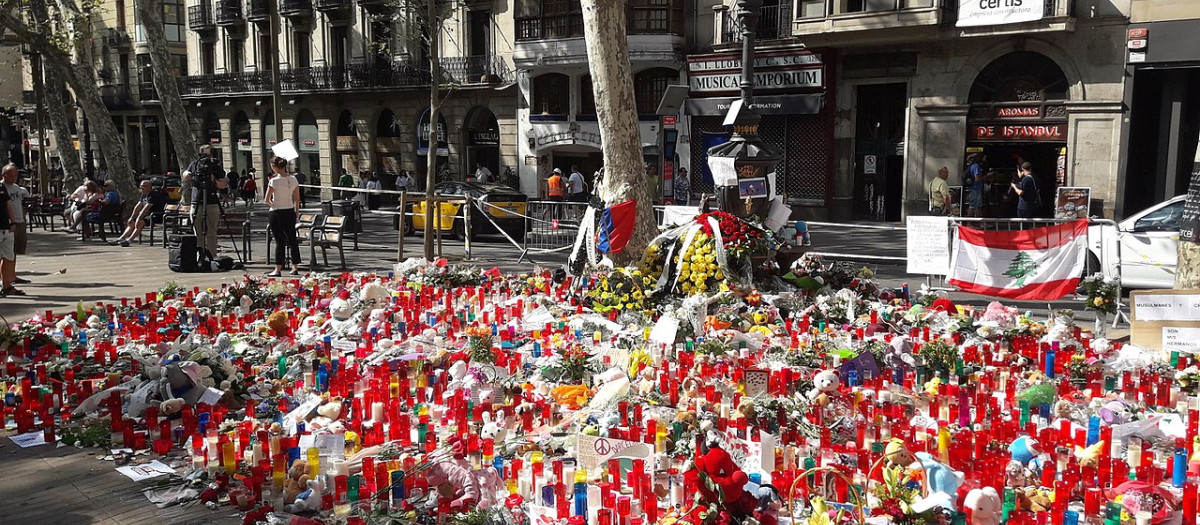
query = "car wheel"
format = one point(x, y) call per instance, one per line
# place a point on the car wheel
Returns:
point(458, 230)
point(1092, 266)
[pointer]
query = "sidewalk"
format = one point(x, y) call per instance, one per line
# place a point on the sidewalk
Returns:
point(65, 270)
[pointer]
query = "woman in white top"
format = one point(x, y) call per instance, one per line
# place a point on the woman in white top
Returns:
point(283, 197)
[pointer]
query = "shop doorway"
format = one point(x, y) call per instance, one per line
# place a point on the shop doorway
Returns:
point(346, 146)
point(1000, 163)
point(588, 162)
point(482, 136)
point(243, 154)
point(879, 151)
point(309, 162)
point(1018, 114)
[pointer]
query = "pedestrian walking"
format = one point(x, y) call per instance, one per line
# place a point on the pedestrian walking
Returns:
point(973, 181)
point(8, 256)
point(939, 193)
point(283, 198)
point(554, 186)
point(577, 186)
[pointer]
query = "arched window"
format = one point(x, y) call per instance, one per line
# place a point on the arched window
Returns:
point(387, 126)
point(551, 94)
point(1020, 76)
point(649, 86)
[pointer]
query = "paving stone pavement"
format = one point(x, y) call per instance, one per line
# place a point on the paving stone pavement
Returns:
point(64, 270)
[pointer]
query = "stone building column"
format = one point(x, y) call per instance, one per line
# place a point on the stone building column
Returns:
point(325, 142)
point(1094, 152)
point(228, 143)
point(938, 138)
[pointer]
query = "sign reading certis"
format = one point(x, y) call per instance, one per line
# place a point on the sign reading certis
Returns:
point(1035, 133)
point(973, 13)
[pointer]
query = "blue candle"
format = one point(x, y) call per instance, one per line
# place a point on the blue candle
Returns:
point(1049, 367)
point(397, 486)
point(1093, 434)
point(1179, 472)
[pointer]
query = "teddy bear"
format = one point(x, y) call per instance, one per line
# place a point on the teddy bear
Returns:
point(983, 506)
point(327, 413)
point(278, 323)
point(373, 292)
point(825, 385)
point(732, 497)
point(310, 499)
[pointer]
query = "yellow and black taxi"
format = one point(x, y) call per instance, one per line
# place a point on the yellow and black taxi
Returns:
point(504, 205)
point(170, 183)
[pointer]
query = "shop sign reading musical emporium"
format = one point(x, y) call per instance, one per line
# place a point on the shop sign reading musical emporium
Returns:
point(781, 72)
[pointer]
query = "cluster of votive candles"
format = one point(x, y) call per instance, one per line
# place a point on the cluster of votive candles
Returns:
point(395, 401)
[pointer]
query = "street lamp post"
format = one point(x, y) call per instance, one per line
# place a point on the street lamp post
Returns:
point(752, 159)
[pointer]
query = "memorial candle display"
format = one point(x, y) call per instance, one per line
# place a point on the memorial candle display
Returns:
point(445, 394)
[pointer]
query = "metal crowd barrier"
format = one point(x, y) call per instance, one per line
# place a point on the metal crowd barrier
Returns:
point(552, 226)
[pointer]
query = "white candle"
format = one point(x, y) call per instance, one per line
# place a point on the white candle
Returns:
point(377, 412)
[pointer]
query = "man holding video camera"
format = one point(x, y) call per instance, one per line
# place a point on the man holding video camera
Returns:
point(207, 179)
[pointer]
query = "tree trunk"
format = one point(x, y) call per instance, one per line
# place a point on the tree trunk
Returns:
point(435, 77)
point(1187, 269)
point(616, 110)
point(166, 81)
point(56, 107)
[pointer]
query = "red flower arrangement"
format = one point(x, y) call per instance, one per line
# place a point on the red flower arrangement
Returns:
point(738, 236)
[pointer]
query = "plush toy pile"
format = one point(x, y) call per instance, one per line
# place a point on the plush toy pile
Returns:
point(445, 394)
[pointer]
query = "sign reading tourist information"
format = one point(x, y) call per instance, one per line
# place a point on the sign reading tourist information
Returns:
point(777, 72)
point(973, 13)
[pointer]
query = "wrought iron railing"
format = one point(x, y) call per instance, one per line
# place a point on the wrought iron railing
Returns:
point(774, 22)
point(331, 5)
point(147, 92)
point(229, 12)
point(200, 16)
point(567, 25)
point(117, 38)
point(295, 7)
point(258, 10)
point(475, 70)
point(356, 76)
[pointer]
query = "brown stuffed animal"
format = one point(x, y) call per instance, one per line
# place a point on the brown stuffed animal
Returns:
point(278, 323)
point(296, 481)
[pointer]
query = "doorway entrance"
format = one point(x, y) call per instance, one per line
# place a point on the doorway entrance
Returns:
point(879, 151)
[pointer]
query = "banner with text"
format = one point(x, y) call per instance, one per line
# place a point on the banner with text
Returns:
point(974, 13)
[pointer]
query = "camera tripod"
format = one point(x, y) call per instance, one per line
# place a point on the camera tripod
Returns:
point(205, 257)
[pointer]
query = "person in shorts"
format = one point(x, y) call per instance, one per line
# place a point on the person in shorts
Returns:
point(16, 205)
point(8, 255)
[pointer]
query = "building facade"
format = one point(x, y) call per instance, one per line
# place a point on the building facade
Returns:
point(556, 112)
point(355, 79)
point(125, 78)
point(1162, 91)
point(869, 98)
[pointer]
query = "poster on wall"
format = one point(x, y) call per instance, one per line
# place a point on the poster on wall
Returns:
point(974, 13)
point(1073, 203)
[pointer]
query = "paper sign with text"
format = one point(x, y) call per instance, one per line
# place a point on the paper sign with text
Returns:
point(594, 451)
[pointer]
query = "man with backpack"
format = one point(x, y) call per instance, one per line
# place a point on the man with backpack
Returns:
point(1029, 198)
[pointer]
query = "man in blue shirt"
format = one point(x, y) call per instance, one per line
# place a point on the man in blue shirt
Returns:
point(973, 180)
point(1027, 193)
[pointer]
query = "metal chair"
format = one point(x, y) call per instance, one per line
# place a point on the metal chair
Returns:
point(326, 236)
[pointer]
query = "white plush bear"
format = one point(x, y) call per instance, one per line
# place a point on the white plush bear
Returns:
point(309, 500)
point(825, 383)
point(983, 506)
point(374, 293)
point(340, 309)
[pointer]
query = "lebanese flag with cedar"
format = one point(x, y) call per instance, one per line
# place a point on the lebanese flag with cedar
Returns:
point(1042, 264)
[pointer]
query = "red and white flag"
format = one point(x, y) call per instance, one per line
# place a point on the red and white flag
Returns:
point(1041, 264)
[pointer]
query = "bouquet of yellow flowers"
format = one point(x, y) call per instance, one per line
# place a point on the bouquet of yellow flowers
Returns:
point(1103, 293)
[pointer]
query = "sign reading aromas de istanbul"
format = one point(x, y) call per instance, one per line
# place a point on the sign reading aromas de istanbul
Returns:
point(972, 13)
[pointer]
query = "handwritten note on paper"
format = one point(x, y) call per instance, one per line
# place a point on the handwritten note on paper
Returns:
point(928, 245)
